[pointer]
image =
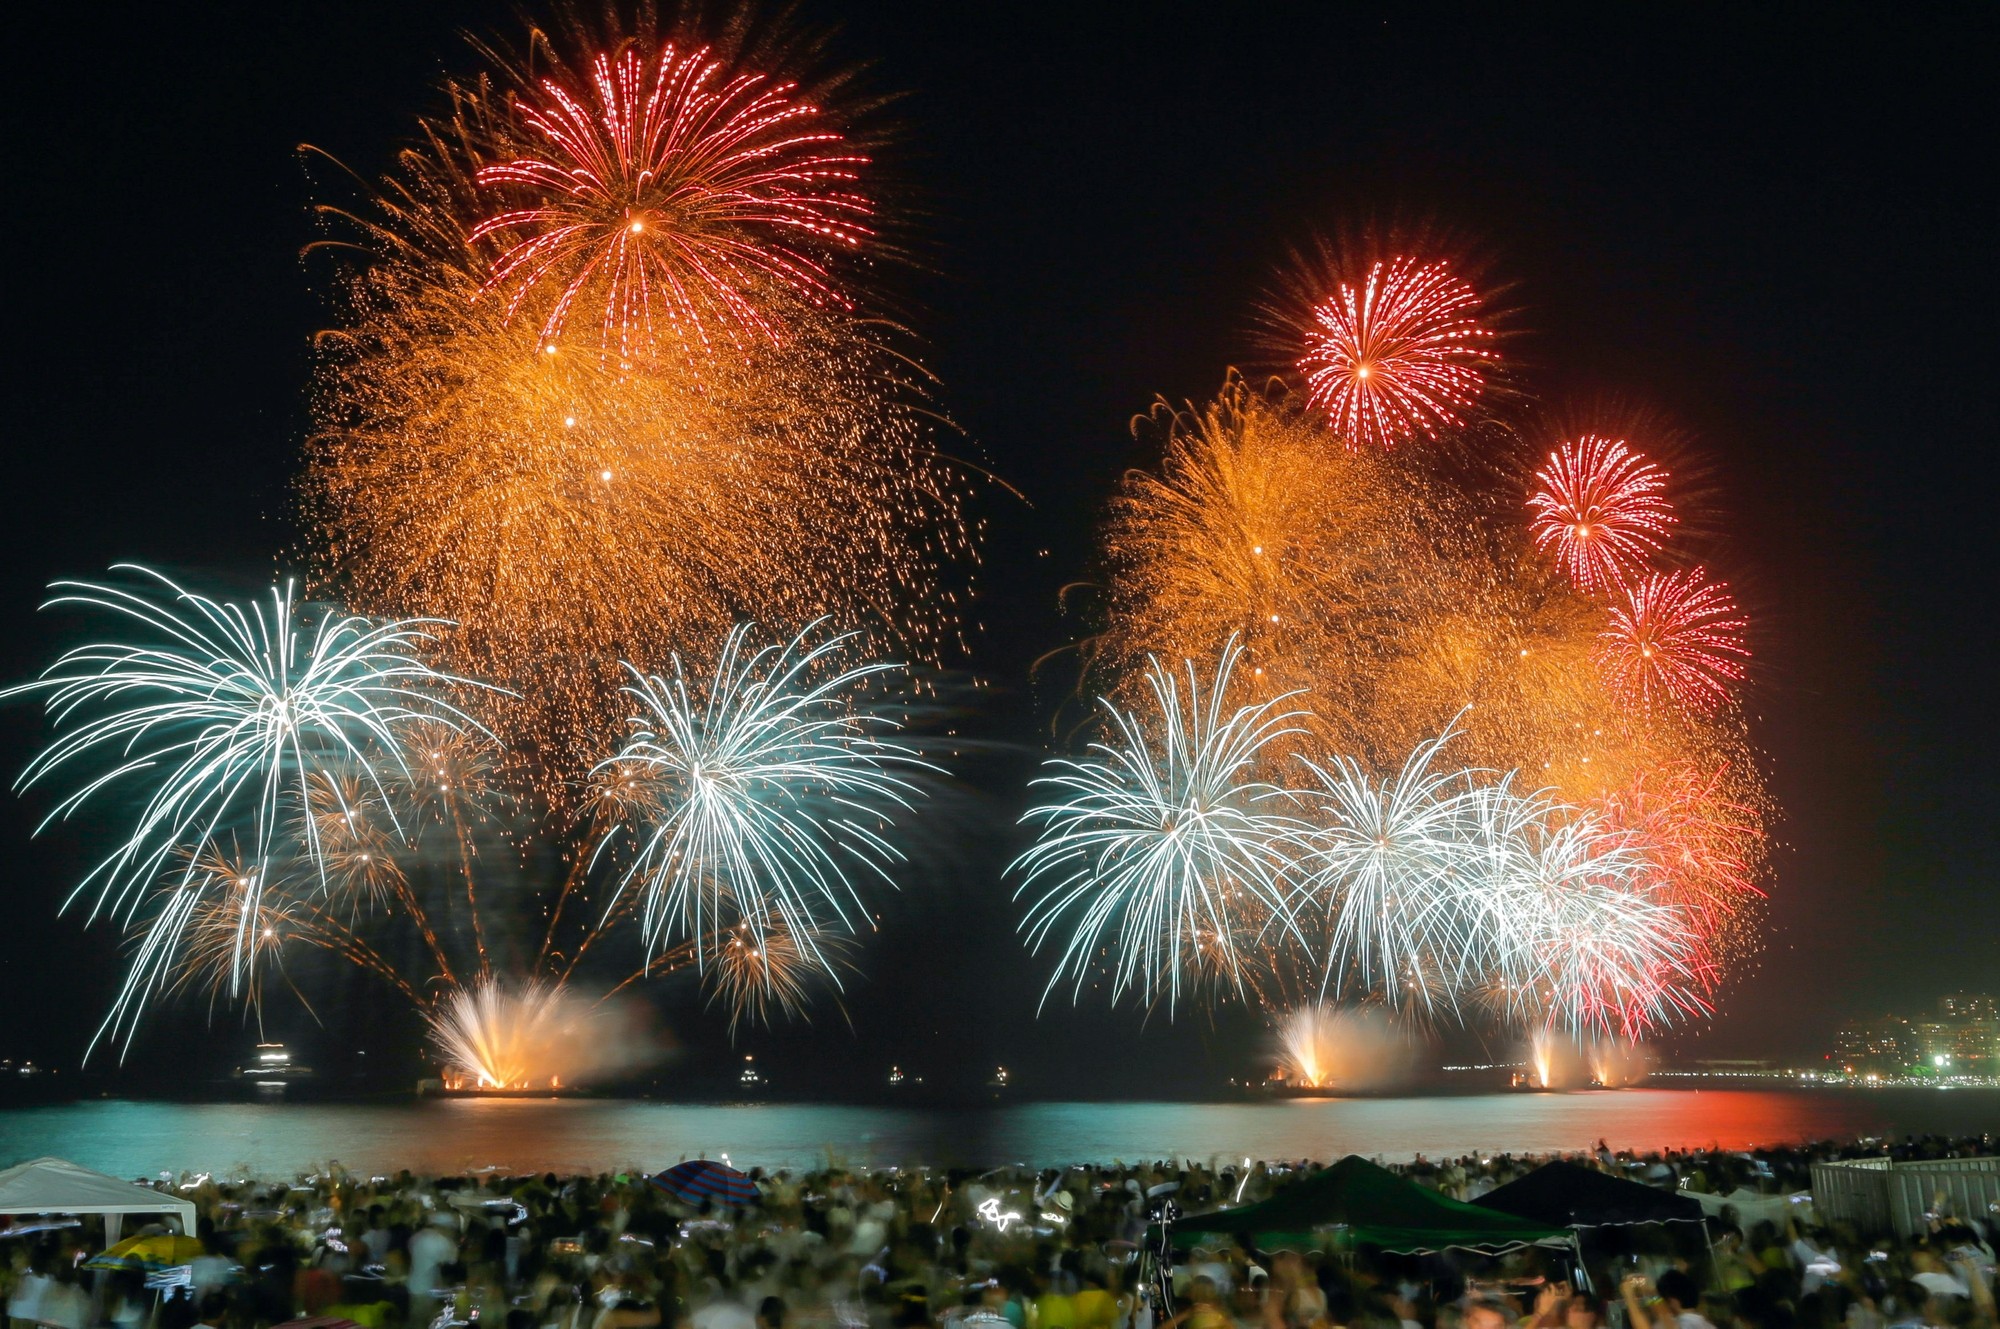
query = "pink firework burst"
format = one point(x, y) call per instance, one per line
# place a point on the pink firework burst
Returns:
point(666, 195)
point(1704, 845)
point(1600, 510)
point(1398, 357)
point(1674, 637)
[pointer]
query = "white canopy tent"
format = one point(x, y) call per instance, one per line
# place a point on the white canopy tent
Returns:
point(53, 1186)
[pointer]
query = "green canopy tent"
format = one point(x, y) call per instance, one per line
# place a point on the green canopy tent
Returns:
point(1354, 1202)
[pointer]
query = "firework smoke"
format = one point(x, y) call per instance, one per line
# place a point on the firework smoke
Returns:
point(1349, 1051)
point(535, 1036)
point(1558, 1061)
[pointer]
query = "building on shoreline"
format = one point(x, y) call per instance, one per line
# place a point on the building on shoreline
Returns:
point(1963, 1040)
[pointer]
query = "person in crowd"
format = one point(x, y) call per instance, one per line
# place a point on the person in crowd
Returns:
point(1673, 1302)
point(845, 1248)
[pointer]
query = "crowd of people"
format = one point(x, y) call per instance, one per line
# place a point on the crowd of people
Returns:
point(842, 1248)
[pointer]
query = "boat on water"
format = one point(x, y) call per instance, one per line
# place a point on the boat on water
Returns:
point(271, 1065)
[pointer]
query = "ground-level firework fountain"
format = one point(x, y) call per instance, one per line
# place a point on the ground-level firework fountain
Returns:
point(1559, 1061)
point(532, 1037)
point(1325, 1049)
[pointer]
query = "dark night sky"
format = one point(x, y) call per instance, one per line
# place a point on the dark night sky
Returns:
point(1772, 223)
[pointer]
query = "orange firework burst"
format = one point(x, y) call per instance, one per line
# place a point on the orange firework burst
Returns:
point(1364, 578)
point(1390, 592)
point(1398, 356)
point(663, 191)
point(1253, 528)
point(1675, 637)
point(1600, 509)
point(568, 510)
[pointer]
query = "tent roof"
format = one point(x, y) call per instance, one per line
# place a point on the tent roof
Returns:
point(1375, 1206)
point(53, 1186)
point(1578, 1196)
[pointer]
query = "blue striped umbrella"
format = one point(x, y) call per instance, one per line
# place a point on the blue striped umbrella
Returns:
point(699, 1179)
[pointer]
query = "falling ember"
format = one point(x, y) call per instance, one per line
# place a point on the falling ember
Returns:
point(1599, 509)
point(1398, 357)
point(670, 195)
point(1677, 638)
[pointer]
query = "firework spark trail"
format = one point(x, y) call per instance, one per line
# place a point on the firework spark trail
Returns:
point(1446, 883)
point(568, 509)
point(221, 720)
point(357, 849)
point(290, 787)
point(1388, 596)
point(758, 790)
point(1675, 639)
point(1162, 844)
point(1498, 823)
point(1397, 357)
point(758, 977)
point(1589, 943)
point(1362, 579)
point(567, 512)
point(1600, 509)
point(666, 192)
point(1388, 856)
point(1435, 886)
point(224, 904)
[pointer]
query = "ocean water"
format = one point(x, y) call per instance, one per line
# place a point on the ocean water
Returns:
point(278, 1139)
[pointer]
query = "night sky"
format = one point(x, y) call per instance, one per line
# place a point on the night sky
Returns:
point(1771, 224)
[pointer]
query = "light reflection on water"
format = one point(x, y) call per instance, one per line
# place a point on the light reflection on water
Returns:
point(280, 1139)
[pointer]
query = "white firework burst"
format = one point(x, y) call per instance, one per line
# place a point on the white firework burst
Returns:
point(1166, 850)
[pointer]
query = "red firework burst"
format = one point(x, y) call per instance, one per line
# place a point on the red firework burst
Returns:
point(1705, 845)
point(1674, 637)
point(1397, 357)
point(1600, 510)
point(665, 193)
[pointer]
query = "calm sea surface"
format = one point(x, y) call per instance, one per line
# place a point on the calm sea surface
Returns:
point(280, 1139)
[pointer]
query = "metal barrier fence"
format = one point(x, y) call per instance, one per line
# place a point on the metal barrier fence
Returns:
point(1880, 1195)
